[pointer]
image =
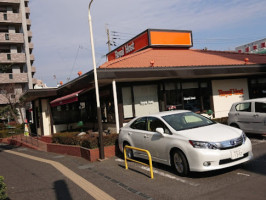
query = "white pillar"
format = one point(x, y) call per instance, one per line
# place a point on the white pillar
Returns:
point(115, 106)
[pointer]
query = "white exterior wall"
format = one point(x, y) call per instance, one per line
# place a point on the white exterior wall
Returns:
point(46, 116)
point(226, 92)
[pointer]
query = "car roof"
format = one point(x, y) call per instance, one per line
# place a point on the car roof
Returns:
point(164, 113)
point(253, 100)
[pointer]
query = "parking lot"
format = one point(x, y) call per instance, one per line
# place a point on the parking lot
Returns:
point(241, 182)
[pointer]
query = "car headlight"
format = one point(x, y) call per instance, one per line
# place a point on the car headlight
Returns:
point(203, 145)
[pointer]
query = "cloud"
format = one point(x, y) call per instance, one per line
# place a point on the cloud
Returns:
point(60, 27)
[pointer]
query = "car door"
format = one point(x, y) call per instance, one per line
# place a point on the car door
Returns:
point(156, 143)
point(259, 118)
point(137, 132)
point(244, 116)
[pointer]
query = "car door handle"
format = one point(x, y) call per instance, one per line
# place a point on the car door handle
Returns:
point(146, 136)
point(129, 133)
point(256, 115)
point(236, 114)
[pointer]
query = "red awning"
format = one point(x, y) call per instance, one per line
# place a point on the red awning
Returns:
point(70, 98)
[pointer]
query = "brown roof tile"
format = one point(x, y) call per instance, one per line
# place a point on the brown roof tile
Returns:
point(169, 57)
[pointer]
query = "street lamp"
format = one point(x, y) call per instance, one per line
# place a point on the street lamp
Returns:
point(99, 115)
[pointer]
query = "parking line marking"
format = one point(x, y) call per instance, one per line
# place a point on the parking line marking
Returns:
point(170, 176)
point(88, 187)
point(164, 174)
point(242, 174)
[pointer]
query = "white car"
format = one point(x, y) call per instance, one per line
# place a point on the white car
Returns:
point(187, 141)
point(249, 116)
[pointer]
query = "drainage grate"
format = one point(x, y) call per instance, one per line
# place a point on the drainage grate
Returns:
point(122, 185)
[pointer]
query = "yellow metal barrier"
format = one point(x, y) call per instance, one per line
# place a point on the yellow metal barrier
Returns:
point(138, 149)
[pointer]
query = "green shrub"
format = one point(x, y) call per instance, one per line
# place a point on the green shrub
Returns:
point(4, 133)
point(90, 141)
point(3, 194)
point(69, 138)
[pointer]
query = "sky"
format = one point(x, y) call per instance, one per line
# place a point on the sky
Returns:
point(61, 34)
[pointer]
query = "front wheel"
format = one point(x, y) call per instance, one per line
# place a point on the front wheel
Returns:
point(179, 162)
point(129, 152)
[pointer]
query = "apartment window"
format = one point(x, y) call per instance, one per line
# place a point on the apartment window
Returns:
point(8, 56)
point(247, 49)
point(263, 45)
point(240, 51)
point(254, 47)
point(7, 36)
point(5, 16)
point(10, 76)
point(13, 96)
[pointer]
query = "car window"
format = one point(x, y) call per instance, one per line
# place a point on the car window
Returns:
point(153, 123)
point(139, 124)
point(243, 107)
point(260, 107)
point(188, 120)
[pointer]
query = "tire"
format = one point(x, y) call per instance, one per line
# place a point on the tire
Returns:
point(179, 163)
point(129, 152)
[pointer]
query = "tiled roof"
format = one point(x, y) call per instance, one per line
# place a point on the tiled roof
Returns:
point(172, 57)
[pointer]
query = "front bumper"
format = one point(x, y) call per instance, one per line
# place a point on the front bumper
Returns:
point(218, 159)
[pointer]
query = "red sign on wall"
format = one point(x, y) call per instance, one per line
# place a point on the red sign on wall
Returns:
point(130, 47)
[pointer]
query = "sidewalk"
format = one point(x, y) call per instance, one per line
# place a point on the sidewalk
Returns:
point(45, 144)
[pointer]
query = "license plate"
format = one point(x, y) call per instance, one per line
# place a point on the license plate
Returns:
point(236, 154)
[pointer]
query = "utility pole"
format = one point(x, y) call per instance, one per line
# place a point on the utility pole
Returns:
point(99, 115)
point(108, 37)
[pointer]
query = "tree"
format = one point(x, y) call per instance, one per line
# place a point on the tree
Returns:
point(13, 101)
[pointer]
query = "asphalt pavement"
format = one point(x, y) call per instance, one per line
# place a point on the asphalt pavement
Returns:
point(27, 178)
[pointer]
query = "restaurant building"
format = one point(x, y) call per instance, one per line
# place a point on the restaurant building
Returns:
point(155, 71)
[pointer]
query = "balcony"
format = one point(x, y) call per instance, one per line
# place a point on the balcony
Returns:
point(8, 38)
point(32, 58)
point(10, 1)
point(27, 10)
point(12, 58)
point(10, 18)
point(28, 22)
point(31, 46)
point(33, 69)
point(29, 33)
point(13, 78)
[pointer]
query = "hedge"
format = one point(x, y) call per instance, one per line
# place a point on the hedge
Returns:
point(3, 194)
point(90, 141)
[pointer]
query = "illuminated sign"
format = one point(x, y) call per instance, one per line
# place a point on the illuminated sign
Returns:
point(153, 38)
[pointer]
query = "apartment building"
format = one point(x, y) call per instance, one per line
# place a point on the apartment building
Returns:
point(16, 58)
point(258, 46)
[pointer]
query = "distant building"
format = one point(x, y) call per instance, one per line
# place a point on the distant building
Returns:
point(16, 48)
point(258, 46)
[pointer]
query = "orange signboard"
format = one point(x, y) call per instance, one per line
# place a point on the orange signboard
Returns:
point(170, 38)
point(153, 38)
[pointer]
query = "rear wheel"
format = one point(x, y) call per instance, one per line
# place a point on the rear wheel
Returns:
point(179, 162)
point(129, 152)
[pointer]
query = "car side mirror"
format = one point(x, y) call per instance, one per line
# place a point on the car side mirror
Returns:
point(160, 130)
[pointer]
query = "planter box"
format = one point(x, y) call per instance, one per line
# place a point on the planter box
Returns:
point(89, 154)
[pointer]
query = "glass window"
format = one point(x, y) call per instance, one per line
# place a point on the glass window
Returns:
point(187, 120)
point(243, 107)
point(153, 123)
point(139, 124)
point(260, 107)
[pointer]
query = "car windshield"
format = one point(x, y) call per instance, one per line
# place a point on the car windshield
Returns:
point(187, 120)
